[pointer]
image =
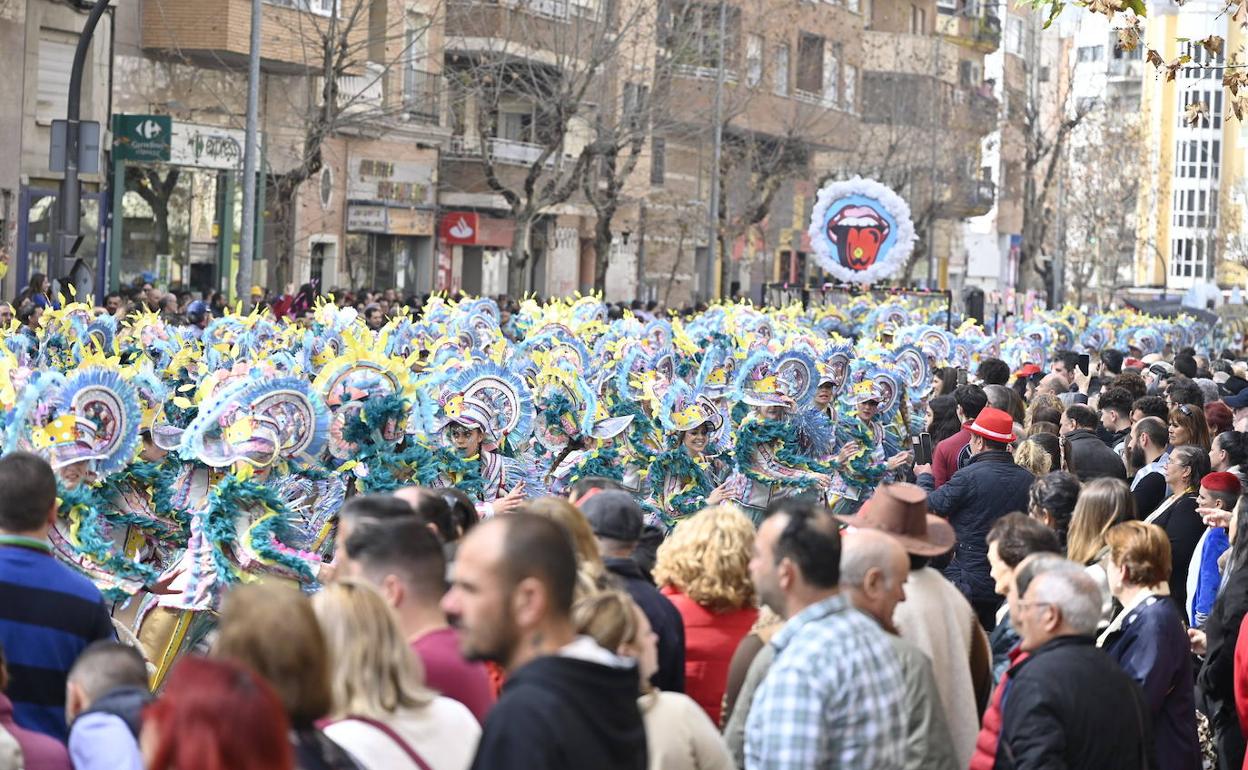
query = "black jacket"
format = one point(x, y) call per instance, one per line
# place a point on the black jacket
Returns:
point(1148, 494)
point(1216, 680)
point(1184, 526)
point(560, 713)
point(664, 618)
point(990, 486)
point(1068, 705)
point(1091, 459)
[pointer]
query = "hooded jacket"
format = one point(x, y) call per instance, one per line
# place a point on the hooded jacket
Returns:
point(564, 713)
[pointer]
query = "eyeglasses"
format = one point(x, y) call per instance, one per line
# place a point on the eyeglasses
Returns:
point(1185, 410)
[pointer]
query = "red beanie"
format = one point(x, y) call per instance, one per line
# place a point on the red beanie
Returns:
point(1221, 481)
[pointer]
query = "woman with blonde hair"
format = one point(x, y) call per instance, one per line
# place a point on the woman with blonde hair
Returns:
point(679, 735)
point(1102, 504)
point(1034, 456)
point(704, 569)
point(383, 714)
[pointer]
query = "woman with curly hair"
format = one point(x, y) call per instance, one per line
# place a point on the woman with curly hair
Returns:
point(704, 569)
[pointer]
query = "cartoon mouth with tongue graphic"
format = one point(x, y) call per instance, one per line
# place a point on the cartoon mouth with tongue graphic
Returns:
point(858, 232)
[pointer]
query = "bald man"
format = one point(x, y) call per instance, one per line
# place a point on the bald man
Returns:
point(874, 568)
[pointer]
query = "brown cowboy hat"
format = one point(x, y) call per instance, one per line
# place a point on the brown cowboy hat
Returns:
point(901, 511)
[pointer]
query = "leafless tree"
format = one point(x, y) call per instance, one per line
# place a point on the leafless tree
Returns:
point(1101, 167)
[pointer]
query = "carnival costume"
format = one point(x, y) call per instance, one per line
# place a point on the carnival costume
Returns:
point(680, 481)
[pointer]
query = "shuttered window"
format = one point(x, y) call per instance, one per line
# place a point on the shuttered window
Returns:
point(56, 59)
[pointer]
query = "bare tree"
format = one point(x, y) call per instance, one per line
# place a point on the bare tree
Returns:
point(1046, 133)
point(541, 104)
point(1101, 167)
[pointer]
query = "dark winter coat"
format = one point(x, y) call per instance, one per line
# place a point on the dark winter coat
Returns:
point(1089, 458)
point(990, 486)
point(1068, 705)
point(664, 619)
point(1151, 645)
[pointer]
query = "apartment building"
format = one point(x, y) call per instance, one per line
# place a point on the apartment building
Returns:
point(1192, 201)
point(927, 92)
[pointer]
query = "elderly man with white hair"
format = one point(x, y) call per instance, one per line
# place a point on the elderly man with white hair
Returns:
point(874, 568)
point(1068, 704)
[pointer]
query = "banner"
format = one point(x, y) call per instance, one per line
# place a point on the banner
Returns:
point(861, 231)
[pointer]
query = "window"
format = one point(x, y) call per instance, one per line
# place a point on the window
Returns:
point(658, 160)
point(636, 103)
point(753, 59)
point(1198, 159)
point(780, 72)
point(1134, 54)
point(1014, 35)
point(831, 77)
point(850, 91)
point(852, 5)
point(1213, 103)
point(692, 34)
point(810, 64)
point(1189, 258)
point(1194, 208)
point(56, 59)
point(946, 6)
point(1090, 53)
point(1204, 65)
point(918, 20)
point(416, 82)
point(319, 7)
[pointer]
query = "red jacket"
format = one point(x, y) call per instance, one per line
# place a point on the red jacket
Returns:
point(985, 756)
point(1241, 679)
point(710, 641)
point(945, 458)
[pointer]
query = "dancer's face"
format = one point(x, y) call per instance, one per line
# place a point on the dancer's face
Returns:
point(695, 440)
point(467, 440)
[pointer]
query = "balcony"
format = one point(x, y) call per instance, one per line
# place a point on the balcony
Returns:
point(1125, 69)
point(502, 151)
point(984, 110)
point(537, 30)
point(216, 33)
point(987, 33)
point(970, 198)
point(422, 97)
point(358, 94)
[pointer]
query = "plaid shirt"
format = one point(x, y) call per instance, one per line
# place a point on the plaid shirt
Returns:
point(833, 698)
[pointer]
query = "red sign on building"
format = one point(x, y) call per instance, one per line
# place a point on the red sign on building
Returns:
point(460, 228)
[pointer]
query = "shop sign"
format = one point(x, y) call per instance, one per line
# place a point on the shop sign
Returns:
point(367, 219)
point(460, 228)
point(410, 222)
point(396, 183)
point(207, 146)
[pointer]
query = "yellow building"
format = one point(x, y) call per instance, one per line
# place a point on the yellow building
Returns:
point(1192, 193)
